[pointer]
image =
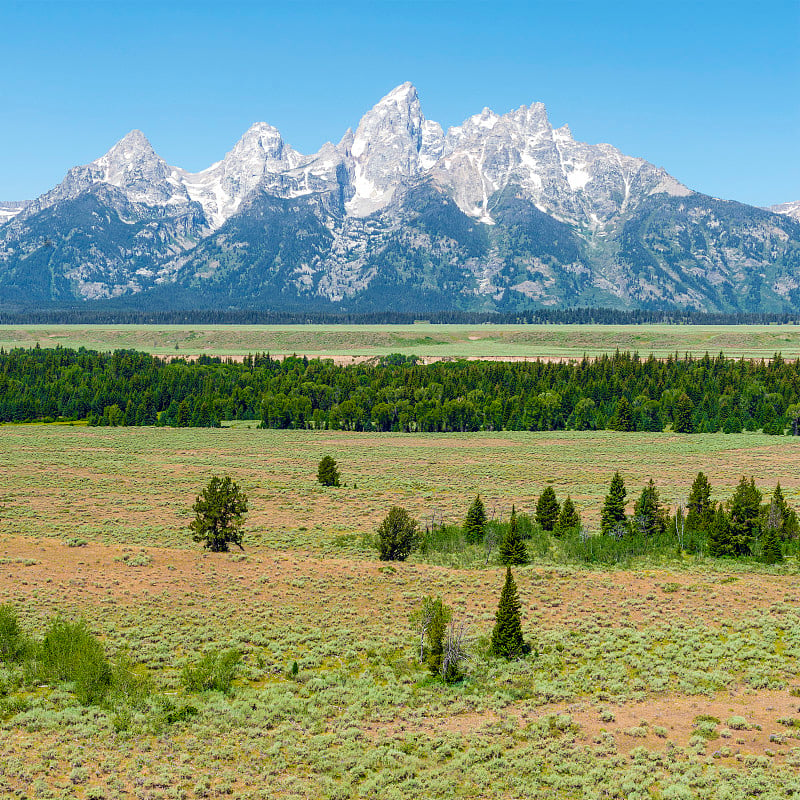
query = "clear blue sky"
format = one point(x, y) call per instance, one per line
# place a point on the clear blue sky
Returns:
point(709, 90)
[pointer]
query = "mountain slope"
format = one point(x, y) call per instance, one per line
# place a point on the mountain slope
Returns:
point(500, 212)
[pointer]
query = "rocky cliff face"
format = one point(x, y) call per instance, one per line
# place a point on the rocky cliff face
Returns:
point(501, 211)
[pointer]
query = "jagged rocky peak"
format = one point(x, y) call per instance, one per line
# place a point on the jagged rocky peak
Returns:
point(393, 142)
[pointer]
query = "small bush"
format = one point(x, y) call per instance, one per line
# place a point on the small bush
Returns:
point(13, 643)
point(70, 653)
point(737, 723)
point(215, 671)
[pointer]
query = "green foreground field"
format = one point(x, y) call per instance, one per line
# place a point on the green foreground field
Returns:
point(424, 340)
point(672, 681)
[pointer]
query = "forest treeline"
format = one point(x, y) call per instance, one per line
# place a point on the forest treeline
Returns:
point(619, 392)
point(556, 316)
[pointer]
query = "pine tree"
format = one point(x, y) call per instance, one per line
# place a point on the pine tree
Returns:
point(745, 508)
point(507, 641)
point(613, 514)
point(328, 472)
point(512, 548)
point(397, 535)
point(475, 523)
point(700, 509)
point(622, 419)
point(568, 519)
point(720, 543)
point(547, 509)
point(649, 515)
point(682, 415)
point(437, 629)
point(219, 513)
point(771, 546)
point(789, 525)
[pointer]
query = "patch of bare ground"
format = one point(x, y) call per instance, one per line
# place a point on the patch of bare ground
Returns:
point(49, 575)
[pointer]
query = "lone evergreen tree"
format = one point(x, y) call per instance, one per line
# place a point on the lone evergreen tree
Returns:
point(700, 509)
point(613, 513)
point(745, 508)
point(512, 548)
point(568, 519)
point(547, 509)
point(648, 513)
point(507, 641)
point(437, 630)
point(682, 415)
point(475, 523)
point(219, 511)
point(328, 472)
point(397, 535)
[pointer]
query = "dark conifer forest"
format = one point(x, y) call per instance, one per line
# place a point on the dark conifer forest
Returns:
point(619, 392)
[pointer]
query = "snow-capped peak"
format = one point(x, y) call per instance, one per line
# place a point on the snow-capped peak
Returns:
point(393, 142)
point(791, 209)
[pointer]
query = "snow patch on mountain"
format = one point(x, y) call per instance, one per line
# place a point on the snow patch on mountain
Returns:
point(788, 209)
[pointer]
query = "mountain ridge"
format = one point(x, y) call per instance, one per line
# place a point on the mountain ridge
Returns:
point(501, 211)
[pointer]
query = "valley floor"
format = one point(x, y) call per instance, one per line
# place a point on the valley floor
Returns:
point(671, 680)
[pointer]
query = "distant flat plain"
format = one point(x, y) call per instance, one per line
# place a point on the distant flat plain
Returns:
point(355, 342)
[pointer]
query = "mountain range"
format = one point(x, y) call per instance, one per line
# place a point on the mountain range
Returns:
point(502, 212)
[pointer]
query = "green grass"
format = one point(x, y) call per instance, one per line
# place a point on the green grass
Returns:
point(360, 717)
point(136, 485)
point(448, 341)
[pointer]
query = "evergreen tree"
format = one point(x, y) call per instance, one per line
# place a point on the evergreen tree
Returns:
point(682, 414)
point(328, 472)
point(771, 546)
point(568, 519)
point(437, 629)
point(219, 512)
point(512, 547)
point(613, 513)
point(622, 420)
point(507, 641)
point(745, 508)
point(700, 509)
point(788, 518)
point(397, 535)
point(649, 515)
point(720, 542)
point(547, 509)
point(475, 523)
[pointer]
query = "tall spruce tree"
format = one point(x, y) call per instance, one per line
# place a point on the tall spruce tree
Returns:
point(789, 524)
point(507, 641)
point(720, 542)
point(547, 509)
point(613, 513)
point(682, 414)
point(745, 510)
point(512, 547)
point(700, 509)
point(475, 523)
point(568, 519)
point(622, 419)
point(771, 552)
point(649, 515)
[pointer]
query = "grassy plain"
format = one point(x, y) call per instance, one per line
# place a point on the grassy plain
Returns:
point(425, 340)
point(671, 681)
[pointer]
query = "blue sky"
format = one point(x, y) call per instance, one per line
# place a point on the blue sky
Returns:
point(708, 90)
